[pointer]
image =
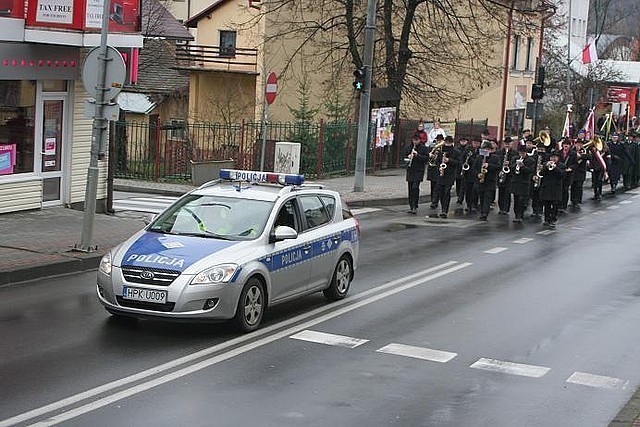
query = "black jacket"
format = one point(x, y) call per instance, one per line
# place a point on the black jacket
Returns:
point(551, 184)
point(521, 180)
point(491, 177)
point(415, 172)
point(450, 173)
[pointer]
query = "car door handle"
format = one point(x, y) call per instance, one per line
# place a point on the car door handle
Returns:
point(336, 239)
point(306, 248)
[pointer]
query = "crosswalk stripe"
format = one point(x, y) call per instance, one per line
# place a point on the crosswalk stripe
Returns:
point(511, 368)
point(496, 250)
point(360, 211)
point(597, 381)
point(613, 207)
point(626, 202)
point(523, 240)
point(545, 232)
point(328, 339)
point(418, 352)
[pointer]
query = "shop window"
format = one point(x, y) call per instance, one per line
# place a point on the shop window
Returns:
point(54, 86)
point(17, 114)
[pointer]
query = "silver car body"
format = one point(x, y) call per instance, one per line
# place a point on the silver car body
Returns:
point(160, 267)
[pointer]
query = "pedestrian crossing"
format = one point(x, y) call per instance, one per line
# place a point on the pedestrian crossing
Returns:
point(155, 204)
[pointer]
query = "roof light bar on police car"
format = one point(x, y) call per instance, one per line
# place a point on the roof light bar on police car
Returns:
point(257, 176)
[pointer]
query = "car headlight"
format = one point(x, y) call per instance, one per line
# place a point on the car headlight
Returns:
point(219, 274)
point(105, 263)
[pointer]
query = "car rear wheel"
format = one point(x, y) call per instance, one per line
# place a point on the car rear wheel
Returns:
point(341, 280)
point(251, 306)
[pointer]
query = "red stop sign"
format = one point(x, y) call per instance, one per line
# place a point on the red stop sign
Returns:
point(271, 89)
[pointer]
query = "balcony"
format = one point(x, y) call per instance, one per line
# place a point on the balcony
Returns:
point(195, 57)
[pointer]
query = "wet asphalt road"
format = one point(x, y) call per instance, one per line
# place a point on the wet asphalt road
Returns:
point(456, 322)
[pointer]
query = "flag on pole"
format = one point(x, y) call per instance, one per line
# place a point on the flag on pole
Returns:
point(590, 53)
point(566, 132)
point(590, 125)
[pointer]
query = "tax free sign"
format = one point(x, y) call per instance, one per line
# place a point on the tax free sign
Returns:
point(55, 11)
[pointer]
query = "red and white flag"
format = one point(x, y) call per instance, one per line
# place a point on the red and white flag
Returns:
point(590, 53)
point(590, 125)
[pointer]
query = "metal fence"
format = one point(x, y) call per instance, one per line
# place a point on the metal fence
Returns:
point(169, 152)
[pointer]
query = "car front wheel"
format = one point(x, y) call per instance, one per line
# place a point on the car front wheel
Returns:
point(251, 306)
point(341, 280)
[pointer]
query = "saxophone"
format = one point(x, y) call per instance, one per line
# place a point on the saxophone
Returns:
point(538, 175)
point(483, 171)
point(443, 165)
point(502, 176)
point(465, 165)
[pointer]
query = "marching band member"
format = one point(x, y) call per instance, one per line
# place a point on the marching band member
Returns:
point(432, 170)
point(538, 153)
point(628, 161)
point(462, 149)
point(504, 177)
point(486, 168)
point(523, 167)
point(416, 155)
point(470, 178)
point(614, 159)
point(553, 172)
point(448, 161)
point(579, 168)
point(635, 154)
point(568, 158)
point(598, 171)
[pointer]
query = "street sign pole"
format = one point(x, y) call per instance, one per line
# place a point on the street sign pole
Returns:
point(365, 98)
point(270, 92)
point(98, 132)
point(264, 135)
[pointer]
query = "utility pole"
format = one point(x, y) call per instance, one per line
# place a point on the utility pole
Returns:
point(569, 55)
point(97, 135)
point(365, 98)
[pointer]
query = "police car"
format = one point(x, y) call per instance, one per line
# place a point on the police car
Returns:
point(232, 248)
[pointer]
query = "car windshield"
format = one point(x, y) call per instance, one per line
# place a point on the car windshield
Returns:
point(214, 216)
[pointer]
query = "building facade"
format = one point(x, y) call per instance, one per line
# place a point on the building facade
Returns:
point(45, 137)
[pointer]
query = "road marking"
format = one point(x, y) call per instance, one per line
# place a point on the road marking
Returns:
point(360, 211)
point(523, 240)
point(510, 368)
point(597, 381)
point(329, 339)
point(636, 196)
point(245, 343)
point(626, 202)
point(495, 250)
point(598, 213)
point(546, 232)
point(144, 204)
point(613, 207)
point(418, 352)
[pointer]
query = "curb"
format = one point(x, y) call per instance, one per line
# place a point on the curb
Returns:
point(74, 265)
point(629, 415)
point(150, 190)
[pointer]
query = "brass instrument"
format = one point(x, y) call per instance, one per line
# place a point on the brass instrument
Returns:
point(433, 155)
point(409, 160)
point(544, 138)
point(466, 166)
point(442, 168)
point(537, 178)
point(483, 171)
point(551, 165)
point(596, 142)
point(519, 164)
point(502, 176)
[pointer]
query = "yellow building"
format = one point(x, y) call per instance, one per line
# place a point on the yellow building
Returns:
point(238, 44)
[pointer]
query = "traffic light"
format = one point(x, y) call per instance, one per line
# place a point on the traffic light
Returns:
point(540, 76)
point(537, 91)
point(358, 82)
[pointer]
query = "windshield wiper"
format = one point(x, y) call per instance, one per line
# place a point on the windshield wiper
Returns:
point(207, 233)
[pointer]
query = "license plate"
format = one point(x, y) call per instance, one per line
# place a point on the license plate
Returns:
point(145, 295)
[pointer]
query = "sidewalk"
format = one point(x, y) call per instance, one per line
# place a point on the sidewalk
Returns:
point(36, 244)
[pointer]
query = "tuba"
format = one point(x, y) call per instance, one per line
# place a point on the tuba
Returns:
point(595, 142)
point(543, 138)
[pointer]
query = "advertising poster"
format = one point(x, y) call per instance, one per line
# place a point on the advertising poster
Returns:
point(384, 119)
point(7, 158)
point(49, 146)
point(55, 11)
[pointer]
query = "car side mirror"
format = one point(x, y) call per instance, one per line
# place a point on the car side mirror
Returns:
point(282, 232)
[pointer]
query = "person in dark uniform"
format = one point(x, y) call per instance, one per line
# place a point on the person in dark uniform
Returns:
point(486, 168)
point(523, 167)
point(568, 158)
point(552, 173)
point(628, 162)
point(448, 162)
point(432, 171)
point(463, 143)
point(635, 154)
point(416, 158)
point(506, 154)
point(470, 188)
point(539, 154)
point(579, 168)
point(598, 171)
point(615, 156)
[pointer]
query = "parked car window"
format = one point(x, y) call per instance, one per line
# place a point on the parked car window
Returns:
point(329, 204)
point(287, 216)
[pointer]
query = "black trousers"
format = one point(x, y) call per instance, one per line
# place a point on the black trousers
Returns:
point(414, 194)
point(444, 196)
point(551, 210)
point(520, 203)
point(486, 197)
point(504, 198)
point(471, 195)
point(576, 192)
point(597, 179)
point(434, 194)
point(460, 189)
point(536, 204)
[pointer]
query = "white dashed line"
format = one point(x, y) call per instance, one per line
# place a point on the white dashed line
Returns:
point(328, 339)
point(636, 196)
point(418, 352)
point(511, 368)
point(546, 232)
point(523, 240)
point(597, 381)
point(626, 202)
point(495, 250)
point(614, 207)
point(597, 213)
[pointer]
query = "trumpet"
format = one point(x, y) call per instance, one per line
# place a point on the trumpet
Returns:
point(551, 165)
point(409, 159)
point(519, 164)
